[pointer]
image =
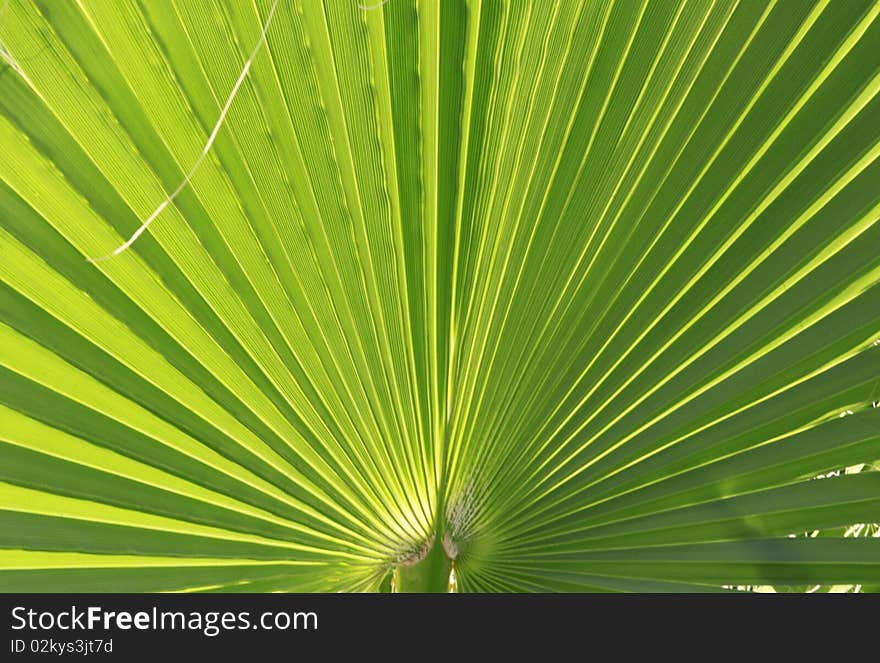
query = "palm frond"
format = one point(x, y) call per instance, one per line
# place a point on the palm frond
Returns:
point(583, 295)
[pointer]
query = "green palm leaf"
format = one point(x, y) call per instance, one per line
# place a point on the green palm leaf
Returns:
point(575, 296)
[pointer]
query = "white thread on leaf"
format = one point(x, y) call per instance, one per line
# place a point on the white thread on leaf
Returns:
point(4, 51)
point(368, 8)
point(7, 57)
point(201, 157)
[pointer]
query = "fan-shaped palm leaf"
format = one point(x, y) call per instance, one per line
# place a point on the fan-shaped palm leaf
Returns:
point(582, 295)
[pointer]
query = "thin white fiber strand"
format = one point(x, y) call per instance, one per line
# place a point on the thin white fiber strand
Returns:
point(7, 57)
point(201, 157)
point(371, 7)
point(4, 51)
